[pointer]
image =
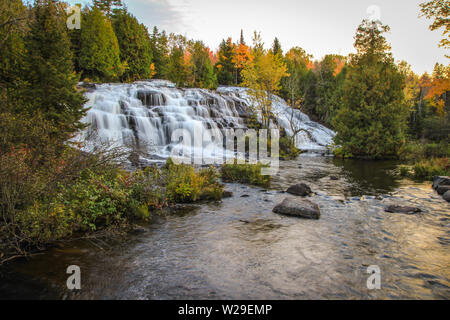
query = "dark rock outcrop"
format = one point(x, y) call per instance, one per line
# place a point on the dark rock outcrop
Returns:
point(446, 196)
point(299, 189)
point(227, 194)
point(402, 209)
point(442, 189)
point(440, 181)
point(300, 208)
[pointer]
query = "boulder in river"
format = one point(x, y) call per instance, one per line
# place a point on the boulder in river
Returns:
point(299, 189)
point(446, 196)
point(298, 208)
point(227, 194)
point(442, 189)
point(402, 209)
point(440, 181)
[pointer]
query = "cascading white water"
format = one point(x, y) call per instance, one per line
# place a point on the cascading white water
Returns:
point(311, 136)
point(146, 113)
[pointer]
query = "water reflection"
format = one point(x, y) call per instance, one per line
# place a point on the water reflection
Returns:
point(368, 177)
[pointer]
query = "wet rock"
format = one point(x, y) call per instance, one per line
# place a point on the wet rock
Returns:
point(440, 181)
point(402, 209)
point(442, 189)
point(245, 196)
point(446, 196)
point(181, 208)
point(299, 189)
point(87, 85)
point(300, 208)
point(138, 229)
point(227, 194)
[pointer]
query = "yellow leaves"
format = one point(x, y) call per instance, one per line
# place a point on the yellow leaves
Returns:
point(152, 70)
point(262, 76)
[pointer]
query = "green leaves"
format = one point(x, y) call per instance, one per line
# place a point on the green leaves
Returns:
point(372, 120)
point(99, 55)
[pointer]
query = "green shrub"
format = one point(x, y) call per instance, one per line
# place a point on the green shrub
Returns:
point(416, 150)
point(404, 171)
point(184, 184)
point(288, 150)
point(245, 173)
point(426, 169)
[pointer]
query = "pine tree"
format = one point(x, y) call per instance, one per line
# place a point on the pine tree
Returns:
point(224, 67)
point(107, 6)
point(241, 40)
point(99, 54)
point(201, 69)
point(134, 45)
point(160, 50)
point(371, 121)
point(50, 73)
point(13, 27)
point(177, 71)
point(276, 47)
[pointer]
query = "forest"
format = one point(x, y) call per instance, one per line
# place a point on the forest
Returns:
point(50, 189)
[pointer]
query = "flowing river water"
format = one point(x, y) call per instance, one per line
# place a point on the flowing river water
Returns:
point(239, 249)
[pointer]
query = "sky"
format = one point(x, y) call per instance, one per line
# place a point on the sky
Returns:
point(318, 26)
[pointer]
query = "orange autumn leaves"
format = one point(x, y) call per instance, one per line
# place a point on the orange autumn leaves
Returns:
point(241, 54)
point(437, 87)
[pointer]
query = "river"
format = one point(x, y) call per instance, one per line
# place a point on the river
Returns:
point(239, 249)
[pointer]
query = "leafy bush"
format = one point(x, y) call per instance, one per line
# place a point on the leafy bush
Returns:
point(245, 173)
point(415, 150)
point(186, 185)
point(404, 171)
point(426, 169)
point(288, 150)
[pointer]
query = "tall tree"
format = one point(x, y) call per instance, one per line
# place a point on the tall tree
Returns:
point(99, 54)
point(224, 67)
point(371, 122)
point(50, 69)
point(276, 47)
point(134, 45)
point(242, 55)
point(439, 10)
point(293, 85)
point(177, 68)
point(107, 6)
point(201, 70)
point(13, 27)
point(328, 84)
point(159, 44)
point(241, 39)
point(262, 76)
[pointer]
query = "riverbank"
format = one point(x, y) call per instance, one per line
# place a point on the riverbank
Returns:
point(238, 248)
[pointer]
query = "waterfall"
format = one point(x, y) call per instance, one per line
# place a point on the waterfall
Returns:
point(146, 113)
